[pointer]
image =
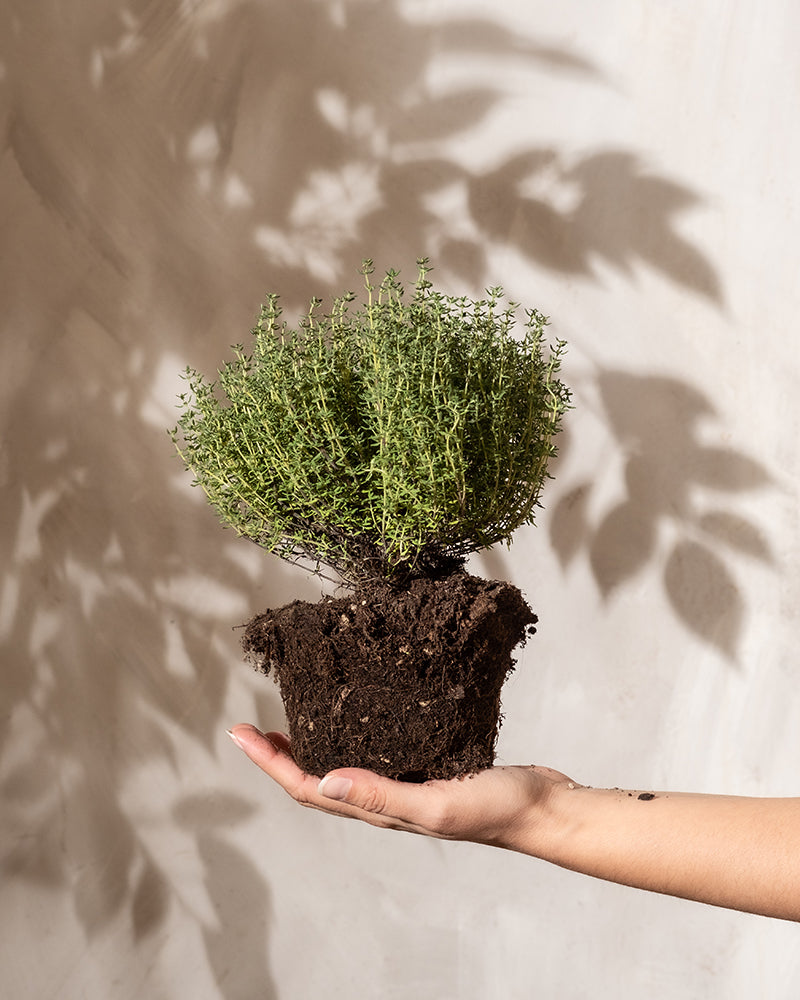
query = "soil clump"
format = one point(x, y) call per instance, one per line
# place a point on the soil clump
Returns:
point(402, 681)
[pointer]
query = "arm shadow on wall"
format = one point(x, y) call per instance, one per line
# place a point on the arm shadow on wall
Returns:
point(163, 165)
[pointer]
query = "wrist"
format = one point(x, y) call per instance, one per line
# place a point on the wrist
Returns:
point(540, 826)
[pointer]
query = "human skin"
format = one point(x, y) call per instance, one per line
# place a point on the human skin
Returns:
point(732, 851)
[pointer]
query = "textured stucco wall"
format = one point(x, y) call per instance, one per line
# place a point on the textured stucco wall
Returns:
point(631, 169)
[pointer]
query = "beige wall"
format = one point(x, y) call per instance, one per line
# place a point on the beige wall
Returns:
point(631, 169)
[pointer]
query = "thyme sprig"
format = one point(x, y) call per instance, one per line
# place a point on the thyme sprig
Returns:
point(394, 436)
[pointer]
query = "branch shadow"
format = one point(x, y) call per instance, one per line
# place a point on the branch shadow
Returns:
point(161, 164)
point(672, 480)
point(236, 942)
point(604, 207)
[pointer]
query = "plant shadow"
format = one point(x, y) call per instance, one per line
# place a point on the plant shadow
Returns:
point(674, 506)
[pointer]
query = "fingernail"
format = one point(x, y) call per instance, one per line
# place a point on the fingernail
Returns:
point(235, 739)
point(333, 786)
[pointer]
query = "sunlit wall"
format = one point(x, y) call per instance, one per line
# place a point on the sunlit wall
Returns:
point(631, 170)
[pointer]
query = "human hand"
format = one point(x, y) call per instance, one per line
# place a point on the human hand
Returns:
point(501, 806)
point(743, 853)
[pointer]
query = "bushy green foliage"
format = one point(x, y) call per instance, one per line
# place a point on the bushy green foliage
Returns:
point(394, 436)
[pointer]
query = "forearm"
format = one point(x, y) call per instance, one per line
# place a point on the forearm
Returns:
point(742, 853)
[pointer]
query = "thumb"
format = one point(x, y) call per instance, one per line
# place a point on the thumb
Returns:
point(371, 793)
point(335, 786)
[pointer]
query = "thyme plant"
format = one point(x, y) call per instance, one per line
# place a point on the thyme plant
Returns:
point(387, 438)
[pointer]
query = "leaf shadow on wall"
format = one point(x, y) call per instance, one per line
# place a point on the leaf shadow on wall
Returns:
point(567, 215)
point(162, 163)
point(236, 940)
point(675, 506)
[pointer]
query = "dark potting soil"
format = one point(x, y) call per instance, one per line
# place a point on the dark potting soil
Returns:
point(405, 682)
